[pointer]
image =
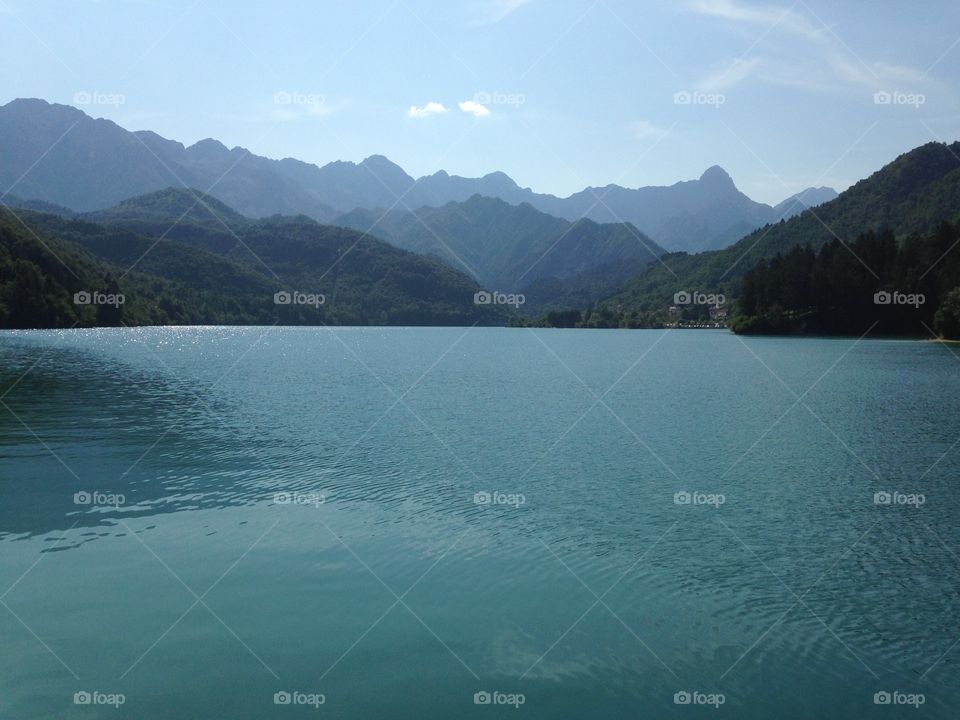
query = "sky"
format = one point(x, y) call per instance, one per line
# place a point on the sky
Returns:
point(559, 94)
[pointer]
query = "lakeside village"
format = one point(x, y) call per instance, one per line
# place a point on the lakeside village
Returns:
point(697, 310)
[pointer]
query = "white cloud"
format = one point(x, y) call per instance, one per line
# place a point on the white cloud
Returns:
point(643, 130)
point(732, 10)
point(796, 49)
point(474, 108)
point(731, 74)
point(771, 16)
point(490, 12)
point(431, 108)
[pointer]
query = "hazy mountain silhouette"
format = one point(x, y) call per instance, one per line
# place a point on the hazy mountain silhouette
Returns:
point(910, 196)
point(510, 247)
point(89, 164)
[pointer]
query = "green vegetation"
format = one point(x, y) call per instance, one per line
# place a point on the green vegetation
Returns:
point(911, 196)
point(202, 271)
point(40, 276)
point(909, 288)
point(947, 319)
point(196, 260)
point(516, 248)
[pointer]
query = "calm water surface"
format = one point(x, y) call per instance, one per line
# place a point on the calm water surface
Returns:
point(398, 519)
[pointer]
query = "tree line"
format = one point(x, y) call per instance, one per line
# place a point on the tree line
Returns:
point(909, 288)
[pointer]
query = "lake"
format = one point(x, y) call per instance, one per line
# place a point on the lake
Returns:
point(436, 523)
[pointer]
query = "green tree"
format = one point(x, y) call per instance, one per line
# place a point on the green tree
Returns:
point(947, 319)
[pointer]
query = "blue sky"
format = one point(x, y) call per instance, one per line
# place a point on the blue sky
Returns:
point(557, 93)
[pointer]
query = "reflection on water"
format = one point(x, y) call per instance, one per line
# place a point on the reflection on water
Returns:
point(75, 402)
point(515, 491)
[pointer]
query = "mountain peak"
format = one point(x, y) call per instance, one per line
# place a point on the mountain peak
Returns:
point(387, 171)
point(716, 175)
point(32, 103)
point(187, 203)
point(796, 204)
point(375, 161)
point(208, 148)
point(35, 106)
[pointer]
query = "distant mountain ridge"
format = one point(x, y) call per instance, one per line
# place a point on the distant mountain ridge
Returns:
point(502, 247)
point(796, 204)
point(910, 196)
point(693, 215)
point(91, 164)
point(182, 257)
point(513, 247)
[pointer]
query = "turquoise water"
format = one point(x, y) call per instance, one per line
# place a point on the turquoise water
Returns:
point(299, 514)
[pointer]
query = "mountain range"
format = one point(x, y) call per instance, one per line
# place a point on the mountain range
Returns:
point(910, 196)
point(502, 247)
point(179, 257)
point(511, 247)
point(90, 164)
point(188, 257)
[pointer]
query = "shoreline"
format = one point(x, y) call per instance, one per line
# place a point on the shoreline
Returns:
point(470, 327)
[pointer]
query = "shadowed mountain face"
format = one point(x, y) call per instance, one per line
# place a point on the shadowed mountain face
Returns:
point(910, 196)
point(511, 247)
point(503, 247)
point(695, 215)
point(90, 164)
point(181, 257)
point(692, 216)
point(796, 204)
